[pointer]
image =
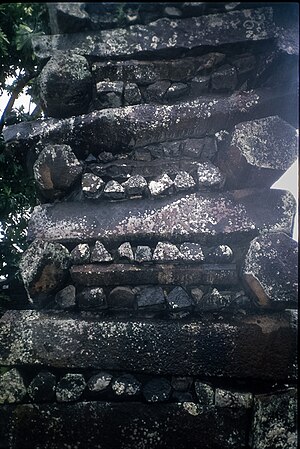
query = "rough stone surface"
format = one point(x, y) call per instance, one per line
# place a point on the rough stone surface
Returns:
point(201, 217)
point(161, 185)
point(128, 425)
point(121, 298)
point(213, 301)
point(122, 129)
point(135, 185)
point(191, 252)
point(226, 398)
point(126, 387)
point(176, 91)
point(114, 345)
point(181, 383)
point(114, 191)
point(178, 300)
point(143, 253)
point(205, 393)
point(124, 252)
point(42, 387)
point(157, 390)
point(166, 252)
point(258, 152)
point(44, 266)
point(12, 388)
point(156, 91)
point(275, 420)
point(162, 274)
point(92, 185)
point(270, 270)
point(132, 94)
point(70, 387)
point(224, 79)
point(110, 94)
point(66, 85)
point(100, 253)
point(151, 298)
point(56, 170)
point(65, 298)
point(99, 383)
point(92, 298)
point(165, 34)
point(209, 176)
point(80, 254)
point(220, 254)
point(147, 72)
point(183, 181)
point(200, 84)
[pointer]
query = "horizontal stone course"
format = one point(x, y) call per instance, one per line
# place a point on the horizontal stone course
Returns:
point(54, 340)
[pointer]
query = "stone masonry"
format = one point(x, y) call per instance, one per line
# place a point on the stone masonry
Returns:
point(161, 271)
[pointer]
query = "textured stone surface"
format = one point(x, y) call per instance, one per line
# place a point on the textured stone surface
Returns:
point(191, 252)
point(80, 254)
point(178, 300)
point(70, 387)
point(114, 191)
point(121, 298)
point(165, 34)
point(92, 185)
point(226, 398)
point(182, 383)
point(99, 383)
point(209, 176)
point(143, 253)
point(124, 252)
point(121, 129)
point(110, 94)
point(44, 266)
point(183, 181)
point(42, 387)
point(30, 337)
point(224, 79)
point(126, 387)
point(56, 170)
point(66, 85)
point(213, 301)
point(12, 388)
point(132, 94)
point(275, 421)
point(166, 273)
point(205, 394)
point(65, 298)
point(92, 298)
point(166, 252)
point(151, 298)
point(126, 425)
point(258, 152)
point(135, 185)
point(100, 253)
point(201, 217)
point(270, 270)
point(160, 185)
point(157, 390)
point(220, 254)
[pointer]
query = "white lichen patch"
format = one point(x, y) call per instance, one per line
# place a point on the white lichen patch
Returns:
point(192, 408)
point(12, 388)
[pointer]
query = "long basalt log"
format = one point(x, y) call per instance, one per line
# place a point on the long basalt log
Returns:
point(126, 425)
point(195, 217)
point(256, 346)
point(121, 129)
point(168, 274)
point(164, 34)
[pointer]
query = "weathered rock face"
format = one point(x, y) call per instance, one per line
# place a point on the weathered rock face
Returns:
point(44, 267)
point(197, 217)
point(164, 264)
point(258, 152)
point(56, 170)
point(66, 85)
point(269, 270)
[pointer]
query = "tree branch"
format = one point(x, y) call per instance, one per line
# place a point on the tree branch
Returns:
point(21, 83)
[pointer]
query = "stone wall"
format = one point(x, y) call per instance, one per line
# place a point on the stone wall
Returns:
point(161, 275)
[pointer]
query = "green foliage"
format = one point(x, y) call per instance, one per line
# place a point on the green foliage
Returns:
point(19, 22)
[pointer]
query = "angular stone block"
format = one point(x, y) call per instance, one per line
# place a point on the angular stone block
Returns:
point(275, 420)
point(57, 341)
point(270, 270)
point(126, 425)
point(163, 274)
point(12, 388)
point(200, 217)
point(258, 152)
point(164, 34)
point(56, 170)
point(42, 387)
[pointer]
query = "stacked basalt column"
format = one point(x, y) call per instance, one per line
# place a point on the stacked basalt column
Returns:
point(161, 274)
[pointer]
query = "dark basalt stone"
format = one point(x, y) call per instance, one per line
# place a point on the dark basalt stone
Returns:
point(92, 185)
point(157, 390)
point(99, 383)
point(155, 92)
point(92, 299)
point(66, 85)
point(224, 79)
point(270, 271)
point(12, 388)
point(70, 387)
point(80, 254)
point(258, 152)
point(181, 383)
point(126, 387)
point(122, 129)
point(151, 298)
point(126, 424)
point(121, 298)
point(220, 254)
point(227, 398)
point(204, 218)
point(205, 394)
point(42, 387)
point(65, 298)
point(110, 94)
point(207, 30)
point(113, 345)
point(179, 300)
